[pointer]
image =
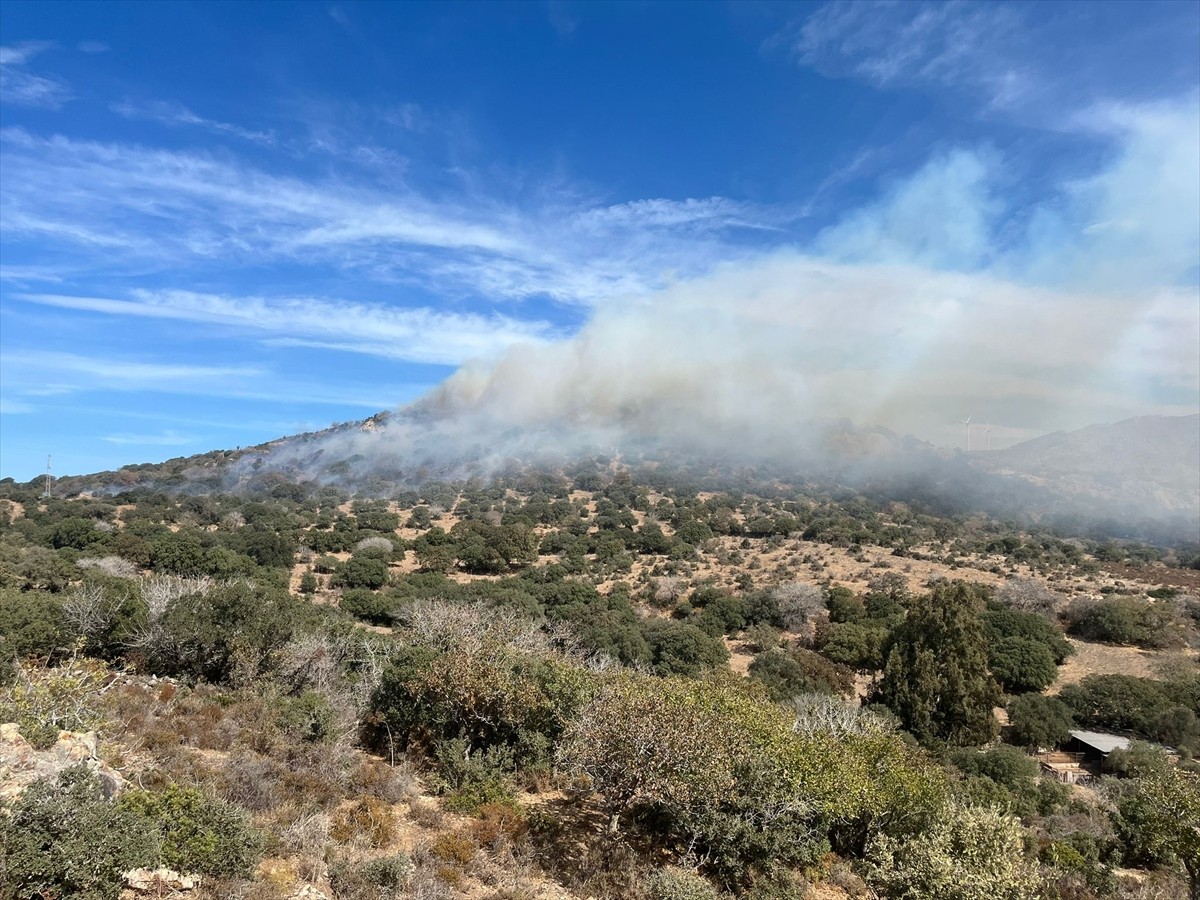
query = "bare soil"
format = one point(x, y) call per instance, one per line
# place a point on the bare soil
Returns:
point(1103, 659)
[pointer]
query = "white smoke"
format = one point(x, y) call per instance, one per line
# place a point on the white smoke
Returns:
point(936, 302)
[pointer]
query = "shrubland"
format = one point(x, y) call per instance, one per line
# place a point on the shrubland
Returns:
point(605, 682)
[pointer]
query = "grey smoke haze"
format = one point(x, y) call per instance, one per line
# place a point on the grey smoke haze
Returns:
point(934, 302)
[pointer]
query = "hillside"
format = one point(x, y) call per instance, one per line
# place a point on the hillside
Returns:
point(1142, 466)
point(1139, 479)
point(613, 684)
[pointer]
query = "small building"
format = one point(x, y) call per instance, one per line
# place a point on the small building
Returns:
point(1064, 767)
point(1093, 747)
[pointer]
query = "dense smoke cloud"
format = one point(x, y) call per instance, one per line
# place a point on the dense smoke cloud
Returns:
point(934, 303)
point(929, 305)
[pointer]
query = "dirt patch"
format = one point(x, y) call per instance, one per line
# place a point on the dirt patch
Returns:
point(1104, 659)
point(739, 659)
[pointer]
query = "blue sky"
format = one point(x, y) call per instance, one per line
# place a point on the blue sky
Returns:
point(223, 223)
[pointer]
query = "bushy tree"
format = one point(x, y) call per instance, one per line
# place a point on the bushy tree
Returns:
point(682, 649)
point(1151, 707)
point(722, 766)
point(1021, 665)
point(937, 679)
point(1000, 623)
point(857, 645)
point(1158, 817)
point(197, 833)
point(790, 673)
point(203, 634)
point(1039, 721)
point(361, 572)
point(1134, 621)
point(31, 624)
point(969, 853)
point(64, 839)
point(1006, 766)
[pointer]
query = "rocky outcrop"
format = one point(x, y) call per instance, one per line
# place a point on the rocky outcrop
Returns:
point(21, 764)
point(157, 883)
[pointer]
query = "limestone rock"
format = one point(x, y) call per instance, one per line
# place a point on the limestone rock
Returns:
point(157, 883)
point(21, 765)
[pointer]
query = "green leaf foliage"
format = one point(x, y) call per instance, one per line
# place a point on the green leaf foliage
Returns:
point(197, 833)
point(937, 679)
point(969, 853)
point(64, 839)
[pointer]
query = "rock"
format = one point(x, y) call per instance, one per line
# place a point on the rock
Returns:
point(73, 747)
point(10, 733)
point(308, 892)
point(157, 882)
point(21, 765)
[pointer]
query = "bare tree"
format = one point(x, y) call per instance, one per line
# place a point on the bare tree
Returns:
point(823, 714)
point(801, 607)
point(109, 565)
point(1028, 595)
point(375, 543)
point(88, 611)
point(667, 589)
point(473, 629)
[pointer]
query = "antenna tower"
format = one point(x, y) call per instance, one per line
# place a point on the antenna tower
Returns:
point(49, 479)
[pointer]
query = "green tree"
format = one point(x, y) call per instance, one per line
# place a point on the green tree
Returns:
point(969, 853)
point(681, 649)
point(361, 572)
point(859, 646)
point(1039, 721)
point(1021, 665)
point(936, 678)
point(1159, 820)
point(197, 833)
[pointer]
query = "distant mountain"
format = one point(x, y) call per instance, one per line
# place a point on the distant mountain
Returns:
point(1141, 467)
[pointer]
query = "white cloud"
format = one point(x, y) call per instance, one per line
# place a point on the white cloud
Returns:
point(176, 114)
point(158, 439)
point(125, 205)
point(952, 44)
point(37, 373)
point(23, 88)
point(14, 407)
point(22, 274)
point(1011, 60)
point(414, 334)
point(132, 372)
point(19, 54)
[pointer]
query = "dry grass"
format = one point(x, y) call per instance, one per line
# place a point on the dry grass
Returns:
point(1103, 659)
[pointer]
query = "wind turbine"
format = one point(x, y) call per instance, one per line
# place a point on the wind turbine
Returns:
point(967, 423)
point(987, 430)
